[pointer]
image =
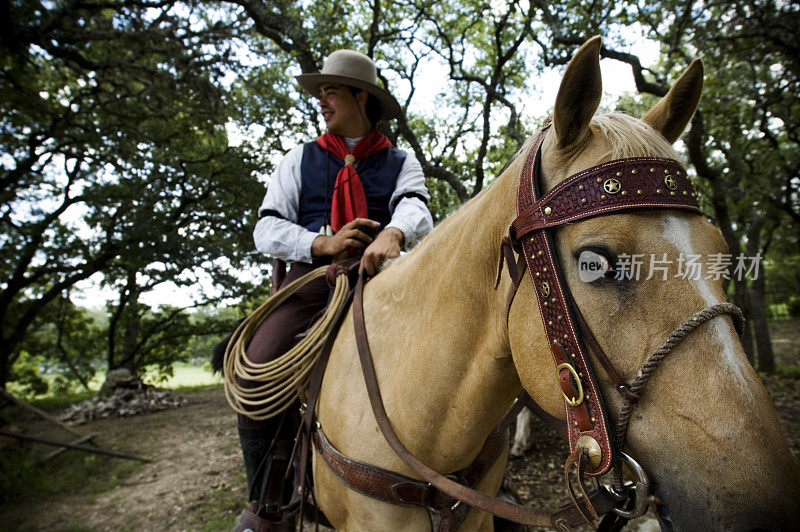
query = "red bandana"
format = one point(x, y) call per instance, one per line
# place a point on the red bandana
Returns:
point(349, 201)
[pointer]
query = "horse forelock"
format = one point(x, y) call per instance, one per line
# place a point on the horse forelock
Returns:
point(631, 137)
point(626, 136)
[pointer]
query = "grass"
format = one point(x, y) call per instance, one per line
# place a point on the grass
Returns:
point(219, 508)
point(22, 479)
point(24, 482)
point(184, 376)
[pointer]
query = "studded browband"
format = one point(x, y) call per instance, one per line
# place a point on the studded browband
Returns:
point(624, 184)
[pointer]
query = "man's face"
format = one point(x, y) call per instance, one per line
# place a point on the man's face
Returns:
point(341, 110)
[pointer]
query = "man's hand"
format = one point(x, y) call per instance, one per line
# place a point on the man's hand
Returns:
point(387, 245)
point(349, 236)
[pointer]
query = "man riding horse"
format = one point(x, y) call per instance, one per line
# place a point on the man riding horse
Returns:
point(347, 193)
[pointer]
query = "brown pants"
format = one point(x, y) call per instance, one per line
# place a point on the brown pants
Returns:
point(285, 326)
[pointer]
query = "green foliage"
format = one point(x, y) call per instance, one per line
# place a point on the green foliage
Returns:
point(214, 326)
point(23, 479)
point(27, 375)
point(115, 157)
point(67, 342)
point(787, 371)
point(116, 163)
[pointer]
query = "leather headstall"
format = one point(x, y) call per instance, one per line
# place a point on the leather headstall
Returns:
point(620, 185)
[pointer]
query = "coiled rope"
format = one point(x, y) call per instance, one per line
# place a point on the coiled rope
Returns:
point(285, 378)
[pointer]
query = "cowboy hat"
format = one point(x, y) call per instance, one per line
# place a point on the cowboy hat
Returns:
point(348, 67)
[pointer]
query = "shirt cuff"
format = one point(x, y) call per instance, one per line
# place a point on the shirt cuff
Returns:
point(303, 249)
point(409, 240)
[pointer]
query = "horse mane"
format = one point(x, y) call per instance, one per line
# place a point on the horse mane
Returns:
point(628, 136)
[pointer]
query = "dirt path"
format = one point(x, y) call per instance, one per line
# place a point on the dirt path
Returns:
point(196, 459)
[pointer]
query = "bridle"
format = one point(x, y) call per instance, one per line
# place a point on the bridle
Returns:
point(621, 185)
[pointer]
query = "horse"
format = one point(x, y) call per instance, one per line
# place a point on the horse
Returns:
point(450, 358)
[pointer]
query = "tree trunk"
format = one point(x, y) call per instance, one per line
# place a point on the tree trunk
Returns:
point(128, 294)
point(133, 323)
point(5, 364)
point(766, 355)
point(758, 315)
point(740, 299)
point(720, 194)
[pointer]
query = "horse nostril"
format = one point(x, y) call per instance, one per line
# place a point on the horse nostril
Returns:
point(663, 517)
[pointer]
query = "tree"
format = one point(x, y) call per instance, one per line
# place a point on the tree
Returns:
point(743, 143)
point(115, 155)
point(64, 342)
point(477, 127)
point(117, 165)
point(743, 140)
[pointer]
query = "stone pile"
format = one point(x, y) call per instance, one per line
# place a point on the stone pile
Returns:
point(122, 402)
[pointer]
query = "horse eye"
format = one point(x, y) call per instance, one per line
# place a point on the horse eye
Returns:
point(593, 264)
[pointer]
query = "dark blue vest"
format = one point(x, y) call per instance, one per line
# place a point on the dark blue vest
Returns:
point(318, 171)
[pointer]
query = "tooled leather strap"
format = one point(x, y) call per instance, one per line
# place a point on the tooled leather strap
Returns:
point(394, 488)
point(564, 517)
point(642, 182)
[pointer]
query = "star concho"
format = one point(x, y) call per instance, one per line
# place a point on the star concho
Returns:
point(545, 289)
point(612, 186)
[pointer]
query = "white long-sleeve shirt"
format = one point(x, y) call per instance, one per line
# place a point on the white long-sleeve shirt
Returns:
point(282, 238)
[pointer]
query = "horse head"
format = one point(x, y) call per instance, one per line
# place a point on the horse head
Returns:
point(704, 428)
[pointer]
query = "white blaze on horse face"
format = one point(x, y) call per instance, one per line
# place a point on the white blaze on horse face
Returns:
point(679, 233)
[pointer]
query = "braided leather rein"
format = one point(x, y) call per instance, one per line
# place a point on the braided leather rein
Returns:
point(654, 361)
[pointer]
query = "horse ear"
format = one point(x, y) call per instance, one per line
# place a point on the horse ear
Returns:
point(673, 112)
point(579, 94)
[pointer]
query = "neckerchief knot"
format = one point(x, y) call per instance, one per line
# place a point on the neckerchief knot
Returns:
point(349, 200)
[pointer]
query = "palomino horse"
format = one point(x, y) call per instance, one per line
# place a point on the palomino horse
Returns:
point(450, 362)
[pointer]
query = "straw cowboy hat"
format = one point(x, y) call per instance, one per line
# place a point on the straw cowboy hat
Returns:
point(348, 67)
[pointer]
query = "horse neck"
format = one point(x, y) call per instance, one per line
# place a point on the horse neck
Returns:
point(441, 300)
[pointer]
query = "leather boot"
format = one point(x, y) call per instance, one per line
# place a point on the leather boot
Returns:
point(255, 442)
point(266, 449)
point(252, 520)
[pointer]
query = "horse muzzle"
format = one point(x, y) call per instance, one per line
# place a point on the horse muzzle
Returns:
point(688, 512)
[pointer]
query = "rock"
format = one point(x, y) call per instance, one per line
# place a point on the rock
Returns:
point(122, 402)
point(119, 378)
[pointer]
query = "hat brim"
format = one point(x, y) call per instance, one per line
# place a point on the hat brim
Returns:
point(389, 106)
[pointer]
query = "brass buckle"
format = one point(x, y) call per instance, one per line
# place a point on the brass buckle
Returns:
point(570, 401)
